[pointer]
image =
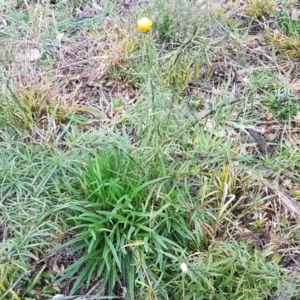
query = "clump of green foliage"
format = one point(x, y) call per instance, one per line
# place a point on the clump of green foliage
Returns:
point(284, 106)
point(289, 26)
point(123, 225)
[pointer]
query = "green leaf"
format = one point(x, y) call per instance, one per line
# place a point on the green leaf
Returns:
point(113, 251)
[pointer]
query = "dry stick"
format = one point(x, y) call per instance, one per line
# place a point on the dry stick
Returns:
point(94, 287)
point(284, 199)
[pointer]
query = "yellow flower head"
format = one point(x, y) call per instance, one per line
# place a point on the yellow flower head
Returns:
point(144, 24)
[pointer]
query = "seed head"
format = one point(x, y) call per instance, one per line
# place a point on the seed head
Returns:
point(184, 268)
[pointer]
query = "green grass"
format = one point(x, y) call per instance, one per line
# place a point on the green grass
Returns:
point(288, 26)
point(124, 155)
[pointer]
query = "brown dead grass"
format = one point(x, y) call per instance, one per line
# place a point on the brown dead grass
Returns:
point(80, 79)
point(288, 45)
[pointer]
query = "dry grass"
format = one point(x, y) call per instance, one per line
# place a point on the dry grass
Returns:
point(285, 44)
point(81, 74)
point(259, 8)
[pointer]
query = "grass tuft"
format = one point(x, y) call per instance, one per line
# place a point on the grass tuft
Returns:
point(259, 8)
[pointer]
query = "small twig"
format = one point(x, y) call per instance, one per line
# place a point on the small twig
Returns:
point(94, 287)
point(284, 199)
